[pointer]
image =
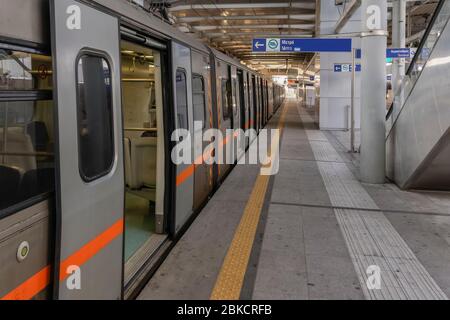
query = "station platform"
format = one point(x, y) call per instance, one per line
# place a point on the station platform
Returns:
point(312, 231)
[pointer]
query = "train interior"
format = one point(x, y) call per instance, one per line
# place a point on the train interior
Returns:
point(26, 128)
point(144, 152)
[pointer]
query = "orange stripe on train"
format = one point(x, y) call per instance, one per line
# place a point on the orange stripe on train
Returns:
point(91, 249)
point(189, 171)
point(38, 282)
point(30, 287)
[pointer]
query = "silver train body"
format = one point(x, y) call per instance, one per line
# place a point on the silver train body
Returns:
point(90, 93)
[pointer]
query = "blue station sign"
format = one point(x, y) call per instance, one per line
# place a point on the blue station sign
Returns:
point(346, 67)
point(302, 45)
point(398, 53)
point(393, 53)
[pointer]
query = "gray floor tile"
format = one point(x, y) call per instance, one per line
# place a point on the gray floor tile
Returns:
point(330, 265)
point(280, 286)
point(331, 287)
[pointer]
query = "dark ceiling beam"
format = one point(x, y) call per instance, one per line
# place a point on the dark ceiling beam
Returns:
point(251, 35)
point(224, 4)
point(216, 28)
point(199, 19)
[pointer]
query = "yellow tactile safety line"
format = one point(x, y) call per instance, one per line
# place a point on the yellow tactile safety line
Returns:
point(231, 277)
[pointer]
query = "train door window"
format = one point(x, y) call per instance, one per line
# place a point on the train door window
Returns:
point(27, 162)
point(144, 150)
point(267, 101)
point(235, 99)
point(182, 100)
point(198, 91)
point(225, 99)
point(261, 104)
point(95, 116)
point(249, 91)
point(255, 103)
point(242, 103)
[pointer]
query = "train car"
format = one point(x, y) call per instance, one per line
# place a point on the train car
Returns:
point(90, 95)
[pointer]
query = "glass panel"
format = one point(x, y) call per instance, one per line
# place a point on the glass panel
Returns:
point(24, 71)
point(182, 103)
point(225, 99)
point(198, 89)
point(26, 151)
point(249, 93)
point(422, 56)
point(234, 97)
point(95, 117)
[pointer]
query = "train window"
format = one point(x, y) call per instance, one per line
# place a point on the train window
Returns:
point(26, 129)
point(235, 109)
point(249, 91)
point(26, 151)
point(198, 90)
point(95, 117)
point(226, 99)
point(20, 71)
point(182, 100)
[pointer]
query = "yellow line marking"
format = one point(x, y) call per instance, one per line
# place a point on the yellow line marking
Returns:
point(231, 277)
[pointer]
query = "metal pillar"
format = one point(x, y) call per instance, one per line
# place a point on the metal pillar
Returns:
point(373, 91)
point(398, 41)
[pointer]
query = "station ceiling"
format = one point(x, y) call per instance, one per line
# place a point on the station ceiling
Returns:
point(230, 25)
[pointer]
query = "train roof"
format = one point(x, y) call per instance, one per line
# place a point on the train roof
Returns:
point(228, 59)
point(135, 15)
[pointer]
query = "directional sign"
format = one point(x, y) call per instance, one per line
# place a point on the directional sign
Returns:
point(259, 45)
point(346, 67)
point(398, 53)
point(302, 45)
point(393, 53)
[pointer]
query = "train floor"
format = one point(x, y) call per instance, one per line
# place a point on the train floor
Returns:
point(312, 231)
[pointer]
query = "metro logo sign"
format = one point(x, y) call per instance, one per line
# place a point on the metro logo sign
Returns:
point(273, 45)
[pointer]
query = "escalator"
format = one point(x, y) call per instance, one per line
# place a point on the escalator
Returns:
point(418, 122)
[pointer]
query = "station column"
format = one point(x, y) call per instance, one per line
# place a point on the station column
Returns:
point(398, 41)
point(373, 91)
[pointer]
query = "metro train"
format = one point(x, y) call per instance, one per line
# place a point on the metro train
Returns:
point(90, 93)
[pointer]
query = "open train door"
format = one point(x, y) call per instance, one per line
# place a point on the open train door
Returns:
point(182, 75)
point(90, 176)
